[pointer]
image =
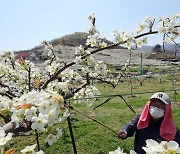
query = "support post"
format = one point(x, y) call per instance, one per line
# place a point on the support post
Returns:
point(71, 134)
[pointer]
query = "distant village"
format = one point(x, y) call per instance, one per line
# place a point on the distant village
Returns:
point(27, 55)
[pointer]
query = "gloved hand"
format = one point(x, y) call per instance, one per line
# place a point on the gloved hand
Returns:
point(122, 134)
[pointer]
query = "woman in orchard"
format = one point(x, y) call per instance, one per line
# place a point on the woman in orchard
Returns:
point(155, 122)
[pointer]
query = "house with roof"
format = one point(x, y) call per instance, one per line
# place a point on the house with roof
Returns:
point(31, 56)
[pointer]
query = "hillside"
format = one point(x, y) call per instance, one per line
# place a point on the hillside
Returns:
point(65, 48)
point(75, 39)
point(113, 57)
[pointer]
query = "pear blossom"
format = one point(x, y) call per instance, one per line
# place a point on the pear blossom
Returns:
point(39, 122)
point(79, 51)
point(152, 146)
point(123, 37)
point(88, 92)
point(170, 147)
point(29, 149)
point(50, 139)
point(93, 40)
point(2, 132)
point(92, 30)
point(52, 116)
point(101, 68)
point(3, 137)
point(117, 151)
point(78, 59)
point(5, 103)
point(118, 37)
point(44, 107)
point(59, 133)
point(3, 90)
point(47, 62)
point(53, 67)
point(63, 86)
point(30, 113)
point(141, 41)
point(92, 17)
point(57, 98)
point(66, 74)
point(169, 26)
point(39, 152)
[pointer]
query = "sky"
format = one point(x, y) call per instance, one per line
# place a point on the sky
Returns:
point(24, 24)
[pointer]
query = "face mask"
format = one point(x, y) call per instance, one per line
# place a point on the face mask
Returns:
point(156, 112)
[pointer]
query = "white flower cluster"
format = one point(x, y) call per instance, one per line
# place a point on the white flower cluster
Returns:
point(146, 23)
point(101, 68)
point(122, 37)
point(85, 54)
point(5, 103)
point(14, 74)
point(167, 25)
point(141, 41)
point(87, 95)
point(94, 38)
point(162, 147)
point(92, 17)
point(153, 147)
point(95, 41)
point(170, 26)
point(53, 67)
point(20, 95)
point(41, 108)
point(120, 151)
point(4, 138)
point(70, 77)
point(48, 48)
point(51, 138)
point(30, 150)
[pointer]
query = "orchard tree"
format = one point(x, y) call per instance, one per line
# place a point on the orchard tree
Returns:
point(157, 48)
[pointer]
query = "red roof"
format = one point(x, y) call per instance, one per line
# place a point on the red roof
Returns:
point(23, 54)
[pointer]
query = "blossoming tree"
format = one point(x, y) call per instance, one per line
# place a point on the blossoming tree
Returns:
point(33, 98)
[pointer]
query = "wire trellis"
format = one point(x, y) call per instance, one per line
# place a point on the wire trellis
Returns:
point(109, 97)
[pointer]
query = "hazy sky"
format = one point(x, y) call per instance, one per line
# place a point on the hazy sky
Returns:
point(26, 23)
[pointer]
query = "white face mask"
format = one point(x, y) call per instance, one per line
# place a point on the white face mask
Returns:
point(156, 112)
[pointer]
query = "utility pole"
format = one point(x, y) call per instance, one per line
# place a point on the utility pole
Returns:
point(141, 68)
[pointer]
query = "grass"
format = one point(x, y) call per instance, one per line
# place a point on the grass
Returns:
point(92, 138)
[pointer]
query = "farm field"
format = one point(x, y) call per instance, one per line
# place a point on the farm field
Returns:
point(93, 138)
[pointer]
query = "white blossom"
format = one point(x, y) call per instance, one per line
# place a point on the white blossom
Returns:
point(117, 151)
point(39, 122)
point(44, 107)
point(50, 139)
point(92, 17)
point(59, 133)
point(30, 113)
point(3, 137)
point(28, 149)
